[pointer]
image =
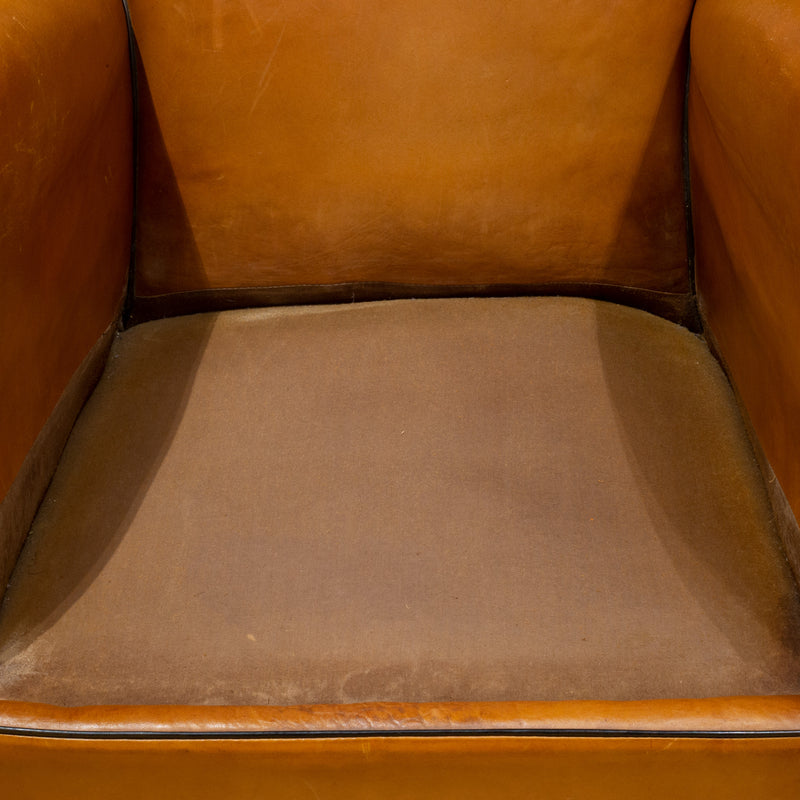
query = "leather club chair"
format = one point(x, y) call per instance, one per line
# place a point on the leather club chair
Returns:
point(441, 436)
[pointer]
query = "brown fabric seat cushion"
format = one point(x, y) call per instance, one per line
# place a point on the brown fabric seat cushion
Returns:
point(417, 500)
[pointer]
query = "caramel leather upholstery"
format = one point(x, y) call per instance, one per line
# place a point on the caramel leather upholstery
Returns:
point(474, 767)
point(415, 143)
point(473, 547)
point(744, 103)
point(65, 227)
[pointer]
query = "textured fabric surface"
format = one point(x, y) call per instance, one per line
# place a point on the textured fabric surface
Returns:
point(417, 500)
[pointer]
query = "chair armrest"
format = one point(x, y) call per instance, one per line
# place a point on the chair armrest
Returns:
point(744, 111)
point(66, 183)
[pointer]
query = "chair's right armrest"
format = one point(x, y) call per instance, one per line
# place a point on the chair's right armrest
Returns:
point(66, 184)
point(744, 135)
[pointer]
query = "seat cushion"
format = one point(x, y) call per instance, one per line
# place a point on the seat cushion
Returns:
point(422, 500)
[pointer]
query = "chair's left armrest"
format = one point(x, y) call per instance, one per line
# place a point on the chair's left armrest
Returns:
point(66, 186)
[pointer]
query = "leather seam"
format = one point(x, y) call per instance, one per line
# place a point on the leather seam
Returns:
point(129, 290)
point(550, 733)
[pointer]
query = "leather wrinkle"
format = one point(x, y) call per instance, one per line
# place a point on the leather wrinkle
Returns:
point(738, 716)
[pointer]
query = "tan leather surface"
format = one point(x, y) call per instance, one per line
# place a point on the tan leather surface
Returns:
point(446, 143)
point(419, 500)
point(65, 201)
point(744, 108)
point(775, 713)
point(458, 768)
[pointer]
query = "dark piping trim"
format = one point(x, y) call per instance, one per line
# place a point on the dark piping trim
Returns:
point(697, 325)
point(128, 303)
point(548, 733)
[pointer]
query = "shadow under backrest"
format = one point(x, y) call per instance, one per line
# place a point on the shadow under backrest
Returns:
point(374, 146)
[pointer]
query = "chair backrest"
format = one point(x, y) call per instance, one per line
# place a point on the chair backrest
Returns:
point(452, 143)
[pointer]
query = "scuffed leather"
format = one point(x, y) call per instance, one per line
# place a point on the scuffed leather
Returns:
point(744, 104)
point(66, 185)
point(415, 143)
point(710, 714)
